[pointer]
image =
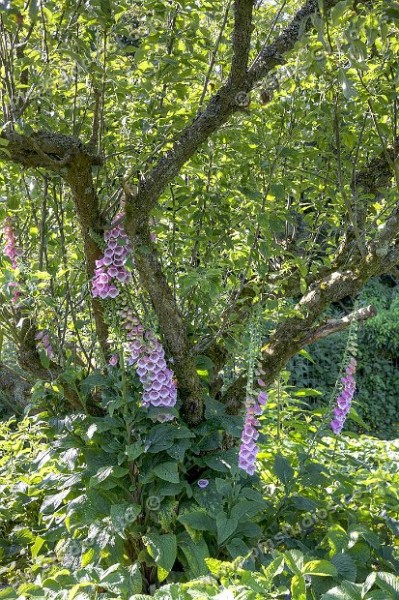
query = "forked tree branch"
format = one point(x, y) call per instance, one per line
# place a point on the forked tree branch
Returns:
point(227, 100)
point(69, 157)
point(58, 153)
point(376, 175)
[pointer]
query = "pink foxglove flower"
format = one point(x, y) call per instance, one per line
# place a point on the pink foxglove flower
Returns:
point(110, 269)
point(113, 361)
point(10, 249)
point(43, 341)
point(344, 400)
point(13, 253)
point(248, 448)
point(146, 353)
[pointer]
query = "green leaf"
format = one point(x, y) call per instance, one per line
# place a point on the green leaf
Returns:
point(225, 526)
point(346, 591)
point(37, 546)
point(8, 594)
point(122, 580)
point(283, 470)
point(302, 503)
point(122, 515)
point(345, 566)
point(53, 502)
point(306, 392)
point(33, 10)
point(306, 355)
point(87, 557)
point(236, 547)
point(389, 583)
point(255, 581)
point(133, 451)
point(163, 549)
point(198, 520)
point(298, 587)
point(215, 566)
point(337, 538)
point(361, 531)
point(337, 11)
point(195, 553)
point(322, 568)
point(294, 560)
point(167, 471)
point(377, 595)
point(248, 509)
point(271, 571)
point(348, 89)
point(102, 474)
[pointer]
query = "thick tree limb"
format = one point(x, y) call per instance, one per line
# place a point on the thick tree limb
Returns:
point(46, 149)
point(171, 323)
point(375, 176)
point(294, 333)
point(79, 177)
point(73, 160)
point(335, 325)
point(241, 42)
point(272, 55)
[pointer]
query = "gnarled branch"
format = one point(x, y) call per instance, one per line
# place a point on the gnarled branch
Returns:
point(335, 325)
point(73, 160)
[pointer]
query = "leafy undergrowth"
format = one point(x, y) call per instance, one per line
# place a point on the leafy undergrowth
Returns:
point(318, 523)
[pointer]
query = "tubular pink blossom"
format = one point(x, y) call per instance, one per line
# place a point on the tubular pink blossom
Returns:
point(248, 448)
point(43, 341)
point(110, 269)
point(344, 400)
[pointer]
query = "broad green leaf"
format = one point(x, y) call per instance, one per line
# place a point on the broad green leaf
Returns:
point(195, 552)
point(275, 568)
point(346, 591)
point(133, 451)
point(298, 587)
point(337, 11)
point(294, 560)
point(345, 566)
point(163, 549)
point(283, 470)
point(167, 471)
point(389, 583)
point(337, 538)
point(225, 526)
point(8, 594)
point(123, 515)
point(323, 568)
point(198, 520)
